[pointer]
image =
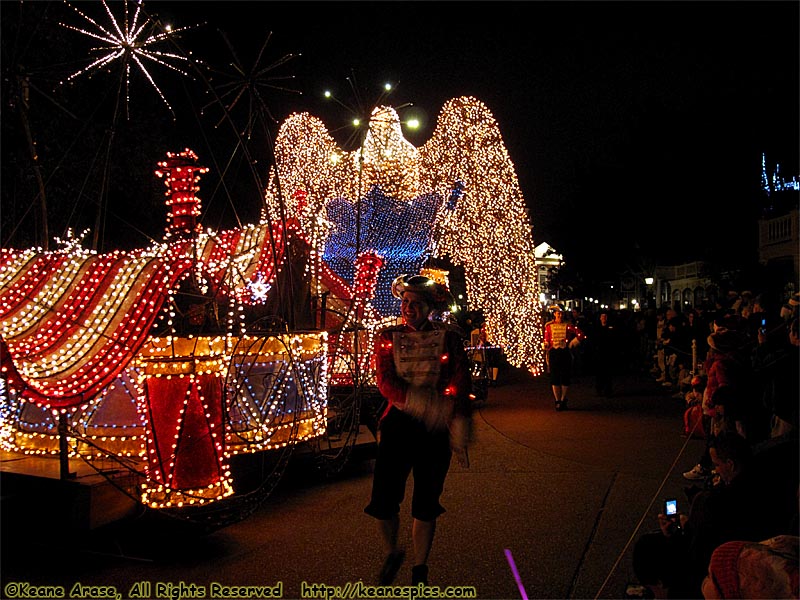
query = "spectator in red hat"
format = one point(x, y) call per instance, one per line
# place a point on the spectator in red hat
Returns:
point(767, 569)
point(727, 365)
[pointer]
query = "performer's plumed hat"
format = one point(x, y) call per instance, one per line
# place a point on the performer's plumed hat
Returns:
point(437, 294)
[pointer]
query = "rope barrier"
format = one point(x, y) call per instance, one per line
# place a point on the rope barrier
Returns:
point(645, 514)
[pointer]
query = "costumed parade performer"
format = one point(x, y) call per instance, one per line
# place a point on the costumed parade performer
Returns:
point(422, 371)
point(558, 335)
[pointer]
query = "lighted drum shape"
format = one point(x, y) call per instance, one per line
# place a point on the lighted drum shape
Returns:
point(277, 391)
point(109, 425)
point(183, 403)
point(27, 427)
point(114, 424)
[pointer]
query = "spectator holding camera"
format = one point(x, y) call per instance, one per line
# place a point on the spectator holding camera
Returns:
point(673, 561)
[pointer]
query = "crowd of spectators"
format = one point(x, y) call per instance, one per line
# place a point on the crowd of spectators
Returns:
point(745, 374)
point(738, 349)
point(737, 363)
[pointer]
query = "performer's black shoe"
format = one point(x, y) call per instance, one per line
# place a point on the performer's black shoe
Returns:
point(419, 574)
point(390, 567)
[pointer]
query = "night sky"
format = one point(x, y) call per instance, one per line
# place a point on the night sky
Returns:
point(636, 128)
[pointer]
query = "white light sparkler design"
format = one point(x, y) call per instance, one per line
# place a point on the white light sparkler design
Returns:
point(73, 244)
point(131, 41)
point(259, 289)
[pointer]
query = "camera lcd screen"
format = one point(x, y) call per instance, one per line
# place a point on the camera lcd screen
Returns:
point(671, 507)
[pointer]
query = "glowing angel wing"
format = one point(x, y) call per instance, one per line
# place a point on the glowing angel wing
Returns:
point(484, 226)
point(311, 170)
point(456, 196)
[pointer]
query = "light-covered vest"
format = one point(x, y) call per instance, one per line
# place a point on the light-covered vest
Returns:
point(558, 335)
point(418, 361)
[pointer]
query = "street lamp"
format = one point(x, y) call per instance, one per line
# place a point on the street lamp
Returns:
point(649, 283)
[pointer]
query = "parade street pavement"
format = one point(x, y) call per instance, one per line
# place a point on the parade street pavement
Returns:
point(560, 495)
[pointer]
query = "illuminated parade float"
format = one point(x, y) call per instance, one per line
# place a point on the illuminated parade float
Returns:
point(167, 368)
